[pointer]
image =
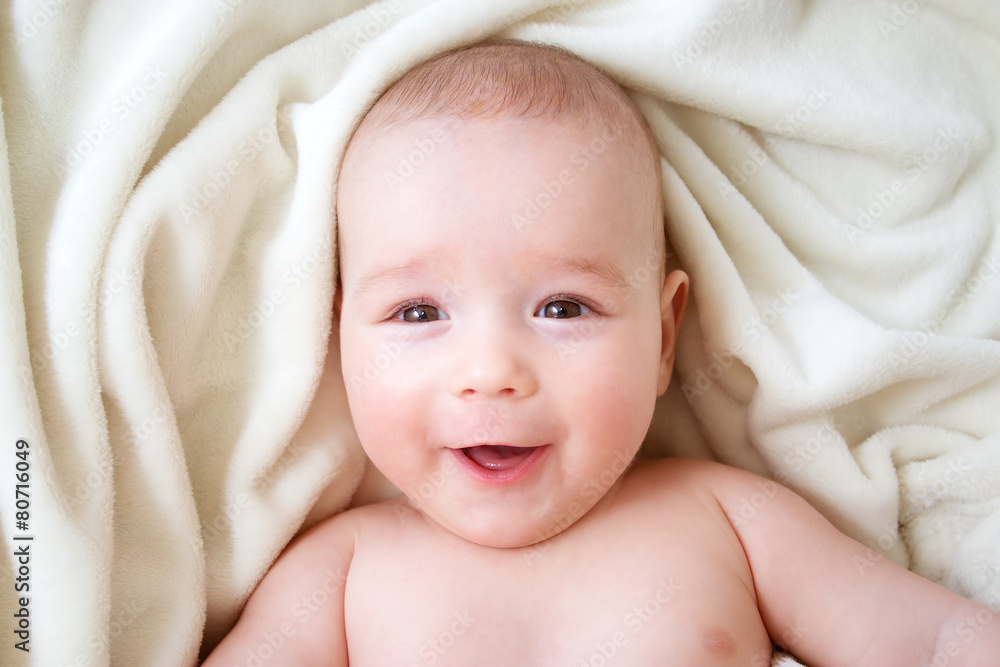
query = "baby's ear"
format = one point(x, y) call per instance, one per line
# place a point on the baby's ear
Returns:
point(673, 299)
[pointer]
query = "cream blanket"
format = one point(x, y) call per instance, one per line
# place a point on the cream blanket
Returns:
point(166, 264)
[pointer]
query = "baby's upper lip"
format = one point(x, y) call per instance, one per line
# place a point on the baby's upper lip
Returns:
point(493, 443)
point(506, 428)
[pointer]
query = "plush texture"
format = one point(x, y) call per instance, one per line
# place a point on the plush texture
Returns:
point(167, 260)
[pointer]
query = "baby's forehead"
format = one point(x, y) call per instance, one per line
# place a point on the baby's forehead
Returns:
point(406, 146)
point(391, 160)
point(500, 182)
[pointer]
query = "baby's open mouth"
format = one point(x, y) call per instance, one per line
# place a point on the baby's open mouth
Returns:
point(498, 457)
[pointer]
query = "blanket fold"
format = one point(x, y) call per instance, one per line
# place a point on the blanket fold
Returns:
point(167, 264)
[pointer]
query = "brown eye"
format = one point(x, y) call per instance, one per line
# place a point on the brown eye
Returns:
point(562, 309)
point(421, 313)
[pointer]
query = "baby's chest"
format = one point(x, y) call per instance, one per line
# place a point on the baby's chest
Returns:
point(621, 605)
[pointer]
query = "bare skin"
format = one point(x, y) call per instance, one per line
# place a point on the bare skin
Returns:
point(515, 611)
point(663, 570)
point(505, 395)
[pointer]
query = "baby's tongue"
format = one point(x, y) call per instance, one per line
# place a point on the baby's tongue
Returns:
point(498, 457)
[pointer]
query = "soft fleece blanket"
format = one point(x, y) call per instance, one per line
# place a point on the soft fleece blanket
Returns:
point(167, 262)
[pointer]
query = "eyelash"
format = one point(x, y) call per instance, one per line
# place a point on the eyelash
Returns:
point(402, 308)
point(586, 303)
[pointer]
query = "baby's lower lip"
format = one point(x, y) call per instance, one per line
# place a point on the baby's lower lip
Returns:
point(499, 464)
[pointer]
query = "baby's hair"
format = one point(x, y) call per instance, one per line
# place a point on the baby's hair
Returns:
point(514, 79)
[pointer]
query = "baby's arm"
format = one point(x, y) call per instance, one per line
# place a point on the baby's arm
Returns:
point(296, 614)
point(832, 601)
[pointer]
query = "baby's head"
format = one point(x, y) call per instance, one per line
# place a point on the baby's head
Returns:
point(505, 321)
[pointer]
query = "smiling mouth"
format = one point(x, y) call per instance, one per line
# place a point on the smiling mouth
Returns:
point(498, 457)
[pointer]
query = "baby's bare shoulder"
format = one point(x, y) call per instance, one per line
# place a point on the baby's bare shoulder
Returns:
point(691, 475)
point(736, 496)
point(300, 599)
point(351, 523)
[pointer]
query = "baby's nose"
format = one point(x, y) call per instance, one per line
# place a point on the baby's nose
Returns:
point(492, 364)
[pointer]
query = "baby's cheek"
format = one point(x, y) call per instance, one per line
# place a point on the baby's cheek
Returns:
point(619, 393)
point(377, 406)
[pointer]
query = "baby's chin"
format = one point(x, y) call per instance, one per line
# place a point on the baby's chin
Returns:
point(500, 531)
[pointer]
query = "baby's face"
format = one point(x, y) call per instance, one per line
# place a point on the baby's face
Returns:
point(503, 332)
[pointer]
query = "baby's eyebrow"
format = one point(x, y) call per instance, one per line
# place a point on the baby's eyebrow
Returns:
point(605, 271)
point(389, 274)
point(610, 273)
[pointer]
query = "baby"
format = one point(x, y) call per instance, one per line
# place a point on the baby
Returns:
point(501, 232)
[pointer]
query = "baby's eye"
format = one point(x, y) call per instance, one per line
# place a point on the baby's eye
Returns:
point(561, 309)
point(421, 312)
